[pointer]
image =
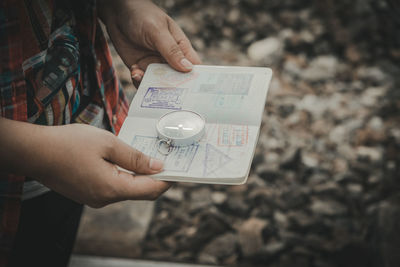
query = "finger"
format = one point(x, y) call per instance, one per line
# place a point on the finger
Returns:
point(144, 62)
point(189, 51)
point(167, 46)
point(184, 42)
point(137, 74)
point(141, 187)
point(132, 159)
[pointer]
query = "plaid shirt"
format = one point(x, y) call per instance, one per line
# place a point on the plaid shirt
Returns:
point(55, 68)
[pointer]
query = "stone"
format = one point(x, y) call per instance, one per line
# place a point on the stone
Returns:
point(320, 69)
point(338, 135)
point(327, 207)
point(375, 123)
point(354, 189)
point(373, 74)
point(233, 15)
point(222, 246)
point(373, 154)
point(267, 50)
point(210, 225)
point(281, 219)
point(174, 194)
point(200, 198)
point(291, 159)
point(218, 197)
point(328, 188)
point(371, 96)
point(236, 205)
point(207, 259)
point(273, 248)
point(250, 236)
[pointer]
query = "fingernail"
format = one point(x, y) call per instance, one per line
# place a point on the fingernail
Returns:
point(156, 164)
point(137, 77)
point(187, 64)
point(134, 66)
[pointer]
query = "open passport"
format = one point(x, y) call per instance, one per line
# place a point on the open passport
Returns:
point(230, 99)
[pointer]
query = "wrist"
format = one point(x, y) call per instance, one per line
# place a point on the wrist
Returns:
point(23, 147)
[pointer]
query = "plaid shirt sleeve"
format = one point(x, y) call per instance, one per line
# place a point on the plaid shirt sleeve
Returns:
point(29, 33)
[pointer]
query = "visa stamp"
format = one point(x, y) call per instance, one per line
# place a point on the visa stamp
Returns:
point(233, 135)
point(228, 101)
point(179, 160)
point(214, 160)
point(164, 97)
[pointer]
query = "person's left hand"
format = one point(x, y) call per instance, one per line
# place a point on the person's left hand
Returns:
point(142, 34)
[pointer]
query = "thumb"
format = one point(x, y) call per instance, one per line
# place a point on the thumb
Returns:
point(132, 159)
point(172, 52)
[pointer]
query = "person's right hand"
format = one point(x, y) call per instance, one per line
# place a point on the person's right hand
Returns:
point(80, 162)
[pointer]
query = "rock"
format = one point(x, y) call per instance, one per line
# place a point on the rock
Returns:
point(327, 207)
point(354, 189)
point(372, 95)
point(269, 175)
point(375, 123)
point(273, 248)
point(281, 219)
point(373, 154)
point(291, 160)
point(258, 160)
point(352, 53)
point(372, 74)
point(222, 247)
point(207, 259)
point(317, 178)
point(338, 135)
point(174, 194)
point(250, 236)
point(300, 220)
point(292, 68)
point(210, 225)
point(292, 198)
point(269, 252)
point(236, 205)
point(321, 68)
point(267, 50)
point(218, 197)
point(328, 188)
point(310, 160)
point(233, 16)
point(200, 198)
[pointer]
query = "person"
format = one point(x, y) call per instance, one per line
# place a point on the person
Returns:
point(61, 105)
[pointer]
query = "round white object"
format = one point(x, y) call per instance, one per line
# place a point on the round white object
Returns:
point(181, 128)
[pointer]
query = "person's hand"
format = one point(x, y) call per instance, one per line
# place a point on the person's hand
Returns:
point(80, 162)
point(84, 159)
point(142, 34)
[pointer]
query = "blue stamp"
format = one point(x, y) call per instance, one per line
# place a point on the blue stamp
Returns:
point(164, 97)
point(179, 160)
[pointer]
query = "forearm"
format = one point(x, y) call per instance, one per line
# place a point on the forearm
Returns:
point(23, 147)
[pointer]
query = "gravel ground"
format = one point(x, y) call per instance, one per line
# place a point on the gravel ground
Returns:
point(323, 188)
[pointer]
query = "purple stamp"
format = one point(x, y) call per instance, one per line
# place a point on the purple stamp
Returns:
point(164, 97)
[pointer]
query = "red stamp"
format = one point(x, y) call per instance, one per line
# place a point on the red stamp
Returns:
point(233, 135)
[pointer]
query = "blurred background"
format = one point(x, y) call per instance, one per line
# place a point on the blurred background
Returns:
point(324, 184)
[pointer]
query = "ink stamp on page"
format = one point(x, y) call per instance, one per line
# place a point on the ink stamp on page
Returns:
point(179, 159)
point(164, 97)
point(233, 135)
